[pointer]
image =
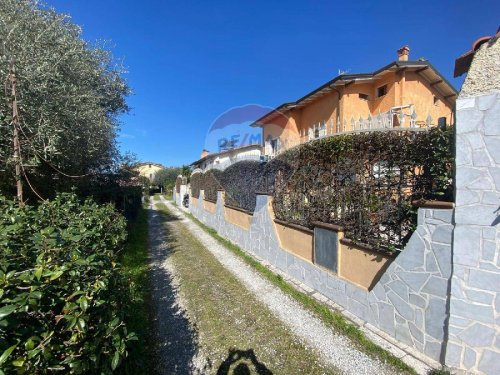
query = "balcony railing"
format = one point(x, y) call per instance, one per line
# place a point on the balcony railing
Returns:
point(401, 117)
point(256, 156)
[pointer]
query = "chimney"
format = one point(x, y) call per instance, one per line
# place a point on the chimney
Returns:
point(403, 53)
point(204, 153)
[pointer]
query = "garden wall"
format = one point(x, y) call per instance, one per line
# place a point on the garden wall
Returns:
point(474, 332)
point(409, 300)
point(179, 196)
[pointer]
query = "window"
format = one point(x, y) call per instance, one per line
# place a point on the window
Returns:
point(274, 146)
point(381, 91)
point(363, 96)
point(436, 100)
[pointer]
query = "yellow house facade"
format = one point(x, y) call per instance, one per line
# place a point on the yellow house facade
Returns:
point(401, 94)
point(148, 169)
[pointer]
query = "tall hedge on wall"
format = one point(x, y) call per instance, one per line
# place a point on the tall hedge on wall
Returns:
point(196, 182)
point(211, 183)
point(178, 183)
point(366, 182)
point(363, 182)
point(240, 181)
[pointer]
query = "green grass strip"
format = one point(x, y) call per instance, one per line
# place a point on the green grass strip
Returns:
point(134, 261)
point(331, 318)
point(161, 207)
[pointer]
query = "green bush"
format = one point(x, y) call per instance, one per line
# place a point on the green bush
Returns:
point(61, 288)
point(196, 181)
point(211, 183)
point(240, 182)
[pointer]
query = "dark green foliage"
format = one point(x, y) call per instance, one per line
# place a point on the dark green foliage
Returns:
point(240, 182)
point(196, 181)
point(167, 177)
point(61, 288)
point(365, 182)
point(180, 180)
point(211, 183)
point(70, 94)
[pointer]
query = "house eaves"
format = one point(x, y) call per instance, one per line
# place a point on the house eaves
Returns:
point(215, 154)
point(422, 67)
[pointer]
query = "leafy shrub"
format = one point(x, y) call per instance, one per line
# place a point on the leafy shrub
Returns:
point(60, 287)
point(196, 181)
point(178, 183)
point(211, 183)
point(240, 181)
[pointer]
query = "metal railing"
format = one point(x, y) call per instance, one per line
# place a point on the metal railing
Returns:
point(256, 156)
point(397, 118)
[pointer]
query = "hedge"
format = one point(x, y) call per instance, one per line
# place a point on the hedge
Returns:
point(178, 183)
point(196, 182)
point(61, 288)
point(212, 183)
point(366, 182)
point(363, 182)
point(240, 181)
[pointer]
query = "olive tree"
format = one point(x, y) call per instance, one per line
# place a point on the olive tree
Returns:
point(69, 92)
point(166, 177)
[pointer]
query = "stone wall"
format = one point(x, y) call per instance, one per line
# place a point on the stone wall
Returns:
point(474, 327)
point(409, 302)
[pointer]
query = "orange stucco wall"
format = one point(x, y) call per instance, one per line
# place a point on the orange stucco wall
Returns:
point(194, 201)
point(236, 217)
point(322, 110)
point(295, 241)
point(209, 206)
point(403, 88)
point(419, 92)
point(360, 266)
point(284, 127)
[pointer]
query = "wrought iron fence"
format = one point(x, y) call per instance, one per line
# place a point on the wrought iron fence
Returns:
point(365, 182)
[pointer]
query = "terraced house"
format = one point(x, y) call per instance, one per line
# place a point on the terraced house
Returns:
point(403, 93)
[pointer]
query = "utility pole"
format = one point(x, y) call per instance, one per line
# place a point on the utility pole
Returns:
point(15, 127)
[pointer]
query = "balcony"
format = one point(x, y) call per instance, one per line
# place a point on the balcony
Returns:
point(397, 118)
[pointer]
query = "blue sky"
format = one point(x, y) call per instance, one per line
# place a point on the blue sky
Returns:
point(191, 61)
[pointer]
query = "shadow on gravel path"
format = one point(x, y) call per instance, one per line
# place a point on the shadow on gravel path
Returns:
point(175, 340)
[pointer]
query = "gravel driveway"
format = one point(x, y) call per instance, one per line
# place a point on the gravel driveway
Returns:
point(176, 340)
point(332, 348)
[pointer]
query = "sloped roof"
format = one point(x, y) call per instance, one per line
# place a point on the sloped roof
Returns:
point(215, 154)
point(422, 67)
